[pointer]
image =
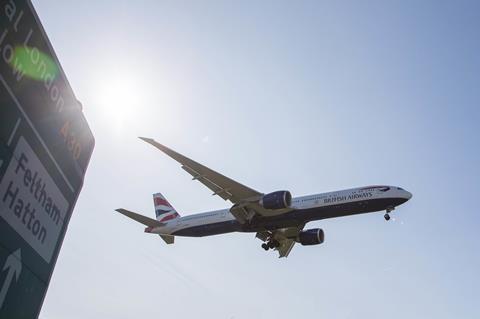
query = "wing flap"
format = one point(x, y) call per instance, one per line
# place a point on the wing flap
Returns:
point(217, 189)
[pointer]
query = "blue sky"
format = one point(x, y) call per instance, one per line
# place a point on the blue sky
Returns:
point(309, 96)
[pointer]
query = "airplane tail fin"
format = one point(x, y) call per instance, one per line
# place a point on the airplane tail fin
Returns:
point(163, 210)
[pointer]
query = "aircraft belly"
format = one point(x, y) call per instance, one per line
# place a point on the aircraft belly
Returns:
point(354, 208)
point(209, 229)
point(304, 215)
point(291, 219)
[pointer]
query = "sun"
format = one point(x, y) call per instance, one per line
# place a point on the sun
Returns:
point(119, 97)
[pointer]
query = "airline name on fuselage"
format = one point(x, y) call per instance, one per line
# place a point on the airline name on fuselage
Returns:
point(337, 199)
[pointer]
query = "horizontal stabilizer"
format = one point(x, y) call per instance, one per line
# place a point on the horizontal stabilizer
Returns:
point(169, 239)
point(150, 222)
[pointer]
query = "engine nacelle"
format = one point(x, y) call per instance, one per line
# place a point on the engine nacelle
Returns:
point(313, 236)
point(276, 200)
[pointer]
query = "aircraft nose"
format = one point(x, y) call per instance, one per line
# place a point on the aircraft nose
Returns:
point(408, 195)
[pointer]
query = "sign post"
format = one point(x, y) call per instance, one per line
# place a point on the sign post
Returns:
point(45, 148)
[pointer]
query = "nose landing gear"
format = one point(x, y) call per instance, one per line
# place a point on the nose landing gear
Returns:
point(387, 215)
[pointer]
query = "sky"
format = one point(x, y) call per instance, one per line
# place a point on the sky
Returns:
point(309, 96)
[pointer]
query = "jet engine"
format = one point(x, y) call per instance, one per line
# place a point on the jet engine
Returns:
point(313, 236)
point(276, 200)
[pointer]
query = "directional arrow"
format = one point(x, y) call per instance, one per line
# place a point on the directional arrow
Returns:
point(13, 265)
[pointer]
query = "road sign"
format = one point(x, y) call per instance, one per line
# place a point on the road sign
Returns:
point(45, 148)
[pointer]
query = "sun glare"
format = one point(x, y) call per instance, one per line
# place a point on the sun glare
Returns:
point(119, 98)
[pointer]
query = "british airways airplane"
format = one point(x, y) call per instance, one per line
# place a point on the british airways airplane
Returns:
point(277, 219)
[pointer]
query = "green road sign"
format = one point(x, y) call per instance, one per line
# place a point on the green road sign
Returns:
point(45, 147)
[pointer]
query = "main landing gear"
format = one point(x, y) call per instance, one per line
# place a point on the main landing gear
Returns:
point(387, 214)
point(271, 244)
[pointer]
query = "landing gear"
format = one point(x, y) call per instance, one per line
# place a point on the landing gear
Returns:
point(387, 215)
point(271, 244)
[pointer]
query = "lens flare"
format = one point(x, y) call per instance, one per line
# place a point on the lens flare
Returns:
point(34, 64)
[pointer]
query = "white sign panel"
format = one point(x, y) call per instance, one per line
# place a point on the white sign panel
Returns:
point(31, 203)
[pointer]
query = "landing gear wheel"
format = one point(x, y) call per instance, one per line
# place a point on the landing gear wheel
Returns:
point(271, 244)
point(387, 217)
point(265, 246)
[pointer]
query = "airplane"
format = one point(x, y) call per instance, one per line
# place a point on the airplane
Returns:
point(277, 219)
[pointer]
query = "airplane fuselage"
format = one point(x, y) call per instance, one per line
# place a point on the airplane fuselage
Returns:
point(303, 210)
point(278, 219)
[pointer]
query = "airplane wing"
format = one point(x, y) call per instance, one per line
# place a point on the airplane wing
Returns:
point(285, 236)
point(226, 188)
point(245, 199)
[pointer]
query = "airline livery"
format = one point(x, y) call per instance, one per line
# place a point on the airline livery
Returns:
point(277, 219)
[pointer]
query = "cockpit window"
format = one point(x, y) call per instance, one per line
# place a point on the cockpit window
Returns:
point(400, 188)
